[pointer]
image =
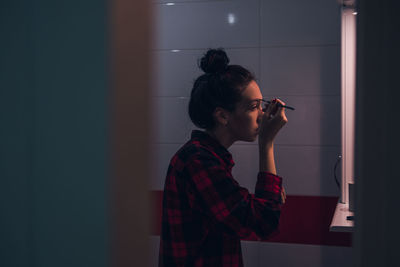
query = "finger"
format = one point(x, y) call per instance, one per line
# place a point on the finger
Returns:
point(280, 102)
point(277, 107)
point(270, 108)
point(266, 105)
point(280, 109)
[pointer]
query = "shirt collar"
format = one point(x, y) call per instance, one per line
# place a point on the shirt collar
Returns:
point(216, 146)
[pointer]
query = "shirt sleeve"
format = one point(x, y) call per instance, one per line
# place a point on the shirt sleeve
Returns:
point(225, 201)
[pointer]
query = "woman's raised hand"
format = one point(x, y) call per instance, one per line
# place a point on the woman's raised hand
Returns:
point(273, 119)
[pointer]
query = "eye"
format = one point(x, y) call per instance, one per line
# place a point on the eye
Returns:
point(255, 105)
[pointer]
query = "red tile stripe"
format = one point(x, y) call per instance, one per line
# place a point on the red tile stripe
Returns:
point(304, 220)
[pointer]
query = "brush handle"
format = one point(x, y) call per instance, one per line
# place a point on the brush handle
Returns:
point(283, 106)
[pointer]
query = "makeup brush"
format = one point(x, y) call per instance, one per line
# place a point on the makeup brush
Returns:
point(280, 105)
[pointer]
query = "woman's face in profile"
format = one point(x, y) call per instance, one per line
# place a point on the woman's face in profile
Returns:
point(245, 120)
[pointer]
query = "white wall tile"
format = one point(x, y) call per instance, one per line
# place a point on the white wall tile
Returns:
point(246, 165)
point(176, 70)
point(306, 170)
point(250, 252)
point(207, 24)
point(288, 255)
point(162, 156)
point(265, 254)
point(249, 58)
point(171, 120)
point(301, 70)
point(154, 245)
point(316, 120)
point(292, 22)
point(182, 1)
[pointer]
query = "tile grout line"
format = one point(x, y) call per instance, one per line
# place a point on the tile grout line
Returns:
point(241, 144)
point(187, 97)
point(175, 50)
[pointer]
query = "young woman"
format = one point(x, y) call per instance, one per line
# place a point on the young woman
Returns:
point(205, 211)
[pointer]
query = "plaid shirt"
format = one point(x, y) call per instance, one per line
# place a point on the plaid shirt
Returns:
point(206, 212)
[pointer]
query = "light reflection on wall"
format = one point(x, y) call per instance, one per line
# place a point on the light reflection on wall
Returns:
point(348, 97)
point(231, 18)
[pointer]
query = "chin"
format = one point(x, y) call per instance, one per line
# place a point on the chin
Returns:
point(251, 138)
point(247, 136)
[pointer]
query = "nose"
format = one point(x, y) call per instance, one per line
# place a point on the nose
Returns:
point(261, 109)
point(260, 114)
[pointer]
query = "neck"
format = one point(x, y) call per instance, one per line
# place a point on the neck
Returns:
point(222, 136)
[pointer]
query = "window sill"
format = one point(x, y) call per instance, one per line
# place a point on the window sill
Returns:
point(339, 222)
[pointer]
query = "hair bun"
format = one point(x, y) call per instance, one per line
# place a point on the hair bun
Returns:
point(214, 61)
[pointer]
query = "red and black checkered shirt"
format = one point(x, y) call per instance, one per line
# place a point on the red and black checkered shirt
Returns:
point(206, 212)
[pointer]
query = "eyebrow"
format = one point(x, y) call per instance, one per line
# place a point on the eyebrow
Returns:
point(258, 100)
point(253, 101)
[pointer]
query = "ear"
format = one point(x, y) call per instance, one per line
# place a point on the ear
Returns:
point(221, 116)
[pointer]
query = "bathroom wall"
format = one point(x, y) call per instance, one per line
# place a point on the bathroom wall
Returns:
point(293, 47)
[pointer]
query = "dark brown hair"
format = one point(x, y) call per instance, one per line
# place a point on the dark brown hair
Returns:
point(220, 86)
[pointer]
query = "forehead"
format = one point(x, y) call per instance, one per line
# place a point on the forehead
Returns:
point(252, 92)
